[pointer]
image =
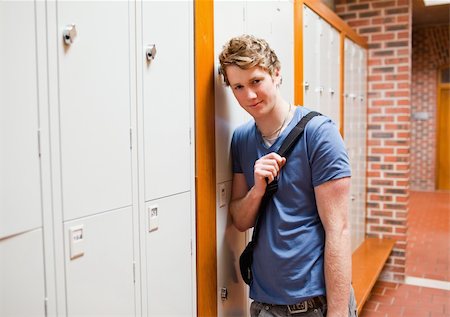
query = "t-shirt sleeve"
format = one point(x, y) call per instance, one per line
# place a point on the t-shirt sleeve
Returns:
point(235, 157)
point(327, 154)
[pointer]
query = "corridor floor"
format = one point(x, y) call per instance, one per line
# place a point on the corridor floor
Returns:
point(427, 263)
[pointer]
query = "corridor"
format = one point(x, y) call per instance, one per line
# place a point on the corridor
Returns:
point(426, 291)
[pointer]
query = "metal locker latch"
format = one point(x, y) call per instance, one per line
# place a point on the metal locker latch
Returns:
point(69, 34)
point(332, 91)
point(306, 85)
point(150, 52)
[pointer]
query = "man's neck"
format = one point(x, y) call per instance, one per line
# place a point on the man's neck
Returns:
point(271, 124)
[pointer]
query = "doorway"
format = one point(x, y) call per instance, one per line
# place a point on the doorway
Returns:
point(443, 130)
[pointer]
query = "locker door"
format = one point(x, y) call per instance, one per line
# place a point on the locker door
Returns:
point(228, 22)
point(94, 86)
point(272, 21)
point(324, 70)
point(20, 201)
point(310, 58)
point(22, 289)
point(349, 135)
point(169, 258)
point(99, 265)
point(333, 88)
point(167, 97)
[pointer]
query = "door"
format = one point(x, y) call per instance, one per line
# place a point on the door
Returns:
point(443, 131)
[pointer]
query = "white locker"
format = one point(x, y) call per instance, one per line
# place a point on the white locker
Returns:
point(170, 277)
point(22, 288)
point(273, 21)
point(20, 199)
point(94, 107)
point(323, 70)
point(168, 99)
point(99, 265)
point(311, 58)
point(229, 21)
point(332, 89)
point(355, 135)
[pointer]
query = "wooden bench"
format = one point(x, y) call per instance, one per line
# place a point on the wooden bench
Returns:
point(367, 263)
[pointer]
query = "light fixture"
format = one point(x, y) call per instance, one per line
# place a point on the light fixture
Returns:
point(435, 2)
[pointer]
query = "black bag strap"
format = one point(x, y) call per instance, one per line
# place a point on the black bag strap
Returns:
point(285, 149)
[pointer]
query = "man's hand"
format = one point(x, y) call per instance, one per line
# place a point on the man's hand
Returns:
point(267, 167)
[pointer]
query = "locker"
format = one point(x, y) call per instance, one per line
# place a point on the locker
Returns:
point(355, 135)
point(334, 78)
point(22, 288)
point(100, 281)
point(20, 200)
point(229, 21)
point(311, 58)
point(170, 277)
point(167, 97)
point(94, 107)
point(272, 21)
point(230, 243)
point(322, 89)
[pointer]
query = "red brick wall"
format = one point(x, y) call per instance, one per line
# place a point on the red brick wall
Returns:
point(386, 24)
point(430, 51)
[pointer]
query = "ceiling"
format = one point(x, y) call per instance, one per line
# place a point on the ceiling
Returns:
point(430, 15)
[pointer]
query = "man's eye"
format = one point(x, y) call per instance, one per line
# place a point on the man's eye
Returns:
point(256, 81)
point(237, 87)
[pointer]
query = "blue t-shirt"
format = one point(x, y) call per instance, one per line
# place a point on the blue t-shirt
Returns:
point(288, 263)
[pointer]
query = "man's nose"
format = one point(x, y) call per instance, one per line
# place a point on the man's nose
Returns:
point(251, 94)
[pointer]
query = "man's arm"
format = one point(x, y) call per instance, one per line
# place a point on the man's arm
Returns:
point(245, 203)
point(332, 199)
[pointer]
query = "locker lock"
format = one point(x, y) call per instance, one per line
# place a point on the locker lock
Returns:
point(306, 85)
point(69, 34)
point(150, 52)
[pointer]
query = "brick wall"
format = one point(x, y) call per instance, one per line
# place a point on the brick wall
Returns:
point(430, 51)
point(386, 24)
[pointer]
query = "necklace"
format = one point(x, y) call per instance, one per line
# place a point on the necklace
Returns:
point(278, 130)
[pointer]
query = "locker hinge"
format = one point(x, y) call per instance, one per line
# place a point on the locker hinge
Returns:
point(131, 138)
point(39, 142)
point(190, 136)
point(134, 272)
point(191, 248)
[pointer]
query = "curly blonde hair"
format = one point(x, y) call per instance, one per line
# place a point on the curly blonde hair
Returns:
point(247, 51)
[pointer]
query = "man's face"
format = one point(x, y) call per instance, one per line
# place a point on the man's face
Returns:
point(254, 88)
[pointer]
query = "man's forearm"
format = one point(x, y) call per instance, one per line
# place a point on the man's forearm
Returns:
point(338, 273)
point(244, 210)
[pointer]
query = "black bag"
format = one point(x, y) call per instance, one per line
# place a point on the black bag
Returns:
point(246, 258)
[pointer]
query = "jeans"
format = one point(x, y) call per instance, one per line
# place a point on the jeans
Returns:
point(258, 309)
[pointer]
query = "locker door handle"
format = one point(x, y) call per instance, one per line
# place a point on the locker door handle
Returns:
point(150, 52)
point(306, 85)
point(69, 34)
point(319, 89)
point(332, 91)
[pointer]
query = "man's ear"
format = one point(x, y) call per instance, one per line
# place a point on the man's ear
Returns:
point(277, 77)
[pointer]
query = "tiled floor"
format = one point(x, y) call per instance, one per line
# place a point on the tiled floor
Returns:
point(428, 235)
point(401, 300)
point(428, 256)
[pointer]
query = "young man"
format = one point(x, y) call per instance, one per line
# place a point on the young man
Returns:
point(302, 261)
